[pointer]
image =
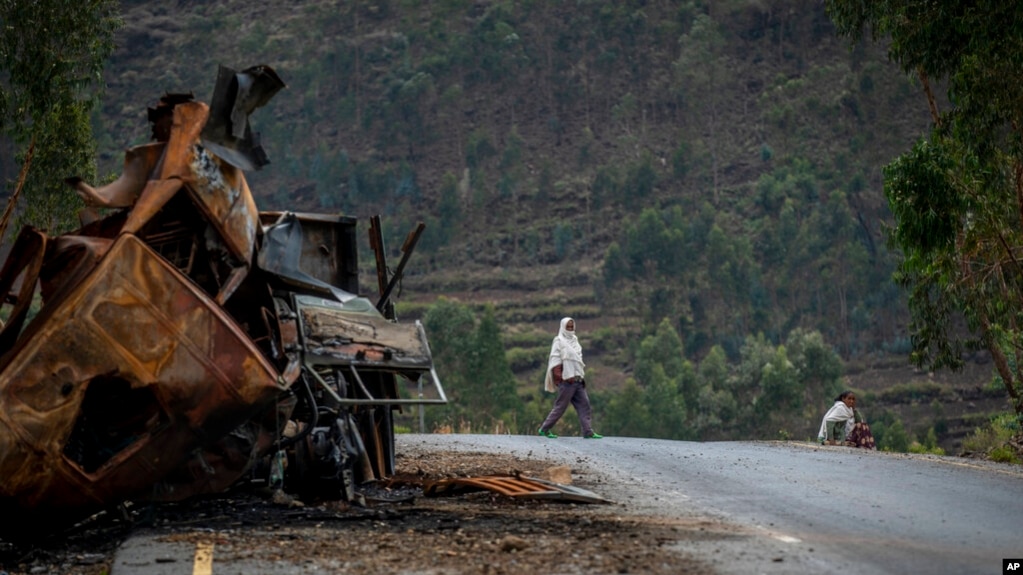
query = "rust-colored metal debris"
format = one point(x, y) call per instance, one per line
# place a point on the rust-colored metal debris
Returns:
point(181, 340)
point(517, 486)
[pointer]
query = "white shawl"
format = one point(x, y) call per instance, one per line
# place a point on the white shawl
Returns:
point(838, 412)
point(565, 351)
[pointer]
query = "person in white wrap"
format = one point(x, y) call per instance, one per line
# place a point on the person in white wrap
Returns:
point(565, 376)
point(839, 421)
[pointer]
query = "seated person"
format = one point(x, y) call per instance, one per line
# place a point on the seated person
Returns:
point(844, 424)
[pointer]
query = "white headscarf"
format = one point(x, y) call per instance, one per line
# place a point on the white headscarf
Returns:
point(838, 412)
point(566, 352)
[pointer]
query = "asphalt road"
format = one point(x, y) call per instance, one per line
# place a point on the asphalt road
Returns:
point(822, 509)
point(789, 508)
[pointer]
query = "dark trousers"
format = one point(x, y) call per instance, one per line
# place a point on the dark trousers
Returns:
point(574, 393)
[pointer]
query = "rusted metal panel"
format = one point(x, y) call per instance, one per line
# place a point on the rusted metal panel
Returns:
point(139, 163)
point(517, 486)
point(124, 377)
point(154, 197)
point(285, 244)
point(328, 247)
point(24, 265)
point(218, 188)
point(235, 96)
point(358, 335)
point(166, 360)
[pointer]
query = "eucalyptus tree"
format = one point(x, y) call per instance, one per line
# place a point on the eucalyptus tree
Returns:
point(664, 348)
point(491, 376)
point(452, 329)
point(957, 195)
point(471, 361)
point(51, 60)
point(698, 79)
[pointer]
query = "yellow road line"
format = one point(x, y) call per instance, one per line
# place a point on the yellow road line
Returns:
point(203, 559)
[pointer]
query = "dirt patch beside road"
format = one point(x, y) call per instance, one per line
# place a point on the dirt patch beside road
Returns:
point(399, 531)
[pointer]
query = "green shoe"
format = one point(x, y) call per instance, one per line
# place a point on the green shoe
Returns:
point(593, 435)
point(547, 433)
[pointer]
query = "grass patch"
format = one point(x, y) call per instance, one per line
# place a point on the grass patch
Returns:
point(916, 392)
point(548, 312)
point(527, 338)
point(408, 310)
point(526, 359)
point(993, 439)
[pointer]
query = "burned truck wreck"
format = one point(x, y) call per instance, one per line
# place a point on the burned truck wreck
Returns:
point(180, 340)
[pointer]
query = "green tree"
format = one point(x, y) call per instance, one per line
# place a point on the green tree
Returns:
point(626, 413)
point(666, 408)
point(716, 404)
point(714, 368)
point(895, 438)
point(51, 59)
point(645, 247)
point(957, 196)
point(451, 328)
point(662, 349)
point(493, 382)
point(471, 361)
point(615, 266)
point(449, 211)
point(640, 180)
point(769, 379)
point(780, 384)
point(698, 79)
point(818, 367)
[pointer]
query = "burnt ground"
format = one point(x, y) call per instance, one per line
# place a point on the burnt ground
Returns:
point(397, 531)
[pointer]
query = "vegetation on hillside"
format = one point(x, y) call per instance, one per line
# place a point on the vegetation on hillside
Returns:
point(701, 177)
point(538, 132)
point(52, 55)
point(957, 194)
point(771, 392)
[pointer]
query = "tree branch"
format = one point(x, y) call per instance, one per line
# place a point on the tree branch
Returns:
point(1018, 172)
point(13, 200)
point(931, 103)
point(1001, 362)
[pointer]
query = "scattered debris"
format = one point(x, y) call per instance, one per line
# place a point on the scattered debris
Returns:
point(511, 543)
point(421, 535)
point(516, 486)
point(558, 474)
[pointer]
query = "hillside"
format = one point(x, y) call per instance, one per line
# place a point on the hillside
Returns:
point(549, 133)
point(730, 152)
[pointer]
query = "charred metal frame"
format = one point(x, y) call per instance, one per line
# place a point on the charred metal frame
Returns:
point(183, 333)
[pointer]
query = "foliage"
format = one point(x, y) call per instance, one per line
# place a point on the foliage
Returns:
point(762, 395)
point(523, 359)
point(817, 364)
point(911, 392)
point(722, 160)
point(1004, 454)
point(771, 391)
point(622, 413)
point(956, 195)
point(805, 250)
point(52, 54)
point(895, 438)
point(993, 437)
point(928, 446)
point(539, 132)
point(471, 363)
